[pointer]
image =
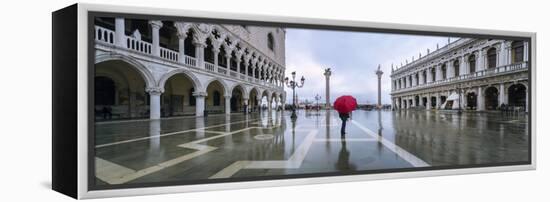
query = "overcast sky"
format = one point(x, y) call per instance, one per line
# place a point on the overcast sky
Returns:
point(353, 58)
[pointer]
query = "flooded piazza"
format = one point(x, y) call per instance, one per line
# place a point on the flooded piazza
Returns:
point(261, 144)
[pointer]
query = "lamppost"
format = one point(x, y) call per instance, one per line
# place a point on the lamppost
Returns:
point(293, 84)
point(317, 98)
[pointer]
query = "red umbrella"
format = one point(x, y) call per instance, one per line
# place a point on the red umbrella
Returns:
point(345, 104)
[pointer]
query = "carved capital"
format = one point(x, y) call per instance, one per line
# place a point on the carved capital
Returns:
point(155, 24)
point(154, 90)
point(199, 94)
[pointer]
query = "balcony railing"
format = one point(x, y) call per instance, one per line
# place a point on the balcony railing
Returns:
point(169, 54)
point(191, 61)
point(138, 45)
point(209, 66)
point(106, 36)
point(476, 75)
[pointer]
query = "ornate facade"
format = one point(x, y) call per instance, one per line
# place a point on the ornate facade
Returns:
point(471, 74)
point(159, 69)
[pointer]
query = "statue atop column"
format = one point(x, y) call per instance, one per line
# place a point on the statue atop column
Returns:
point(327, 88)
point(379, 74)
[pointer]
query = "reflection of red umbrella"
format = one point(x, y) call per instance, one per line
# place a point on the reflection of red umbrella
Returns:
point(345, 104)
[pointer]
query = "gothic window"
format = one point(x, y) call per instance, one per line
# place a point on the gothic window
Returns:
point(209, 52)
point(444, 72)
point(492, 58)
point(189, 48)
point(472, 63)
point(517, 51)
point(222, 60)
point(270, 41)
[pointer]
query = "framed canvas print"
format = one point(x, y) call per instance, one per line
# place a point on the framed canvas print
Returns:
point(151, 101)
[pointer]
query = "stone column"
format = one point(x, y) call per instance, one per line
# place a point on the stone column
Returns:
point(154, 104)
point(269, 102)
point(463, 68)
point(216, 52)
point(155, 27)
point(181, 47)
point(327, 74)
point(119, 33)
point(238, 61)
point(450, 69)
point(228, 58)
point(199, 103)
point(245, 103)
point(379, 76)
point(199, 53)
point(227, 104)
point(438, 101)
point(502, 54)
point(246, 68)
point(480, 99)
point(501, 94)
point(463, 100)
point(480, 61)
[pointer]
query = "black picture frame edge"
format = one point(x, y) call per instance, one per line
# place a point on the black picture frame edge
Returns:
point(64, 101)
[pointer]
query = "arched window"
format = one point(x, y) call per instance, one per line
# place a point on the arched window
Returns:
point(192, 99)
point(433, 74)
point(517, 51)
point(492, 58)
point(209, 52)
point(217, 97)
point(104, 91)
point(444, 72)
point(472, 63)
point(222, 60)
point(456, 65)
point(189, 48)
point(270, 41)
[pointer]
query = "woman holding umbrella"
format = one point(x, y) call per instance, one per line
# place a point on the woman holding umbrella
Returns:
point(344, 105)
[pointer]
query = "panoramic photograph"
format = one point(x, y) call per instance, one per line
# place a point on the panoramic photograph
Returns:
point(190, 102)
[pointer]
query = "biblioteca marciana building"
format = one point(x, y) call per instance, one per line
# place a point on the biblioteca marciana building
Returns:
point(471, 74)
point(154, 69)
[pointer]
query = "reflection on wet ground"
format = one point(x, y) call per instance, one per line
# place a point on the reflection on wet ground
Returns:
point(266, 145)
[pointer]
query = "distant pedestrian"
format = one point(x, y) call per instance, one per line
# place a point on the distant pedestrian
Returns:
point(344, 117)
point(344, 105)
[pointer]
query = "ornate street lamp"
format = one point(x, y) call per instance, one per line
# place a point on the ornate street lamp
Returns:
point(293, 84)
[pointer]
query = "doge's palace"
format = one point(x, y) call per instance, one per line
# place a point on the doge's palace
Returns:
point(153, 69)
